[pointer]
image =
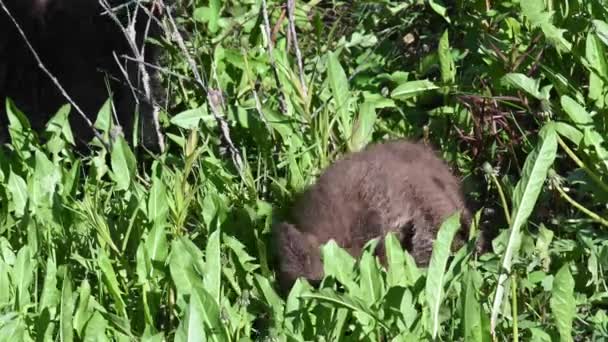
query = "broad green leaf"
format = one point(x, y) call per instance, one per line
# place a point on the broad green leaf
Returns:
point(601, 29)
point(111, 282)
point(473, 313)
point(598, 68)
point(157, 201)
point(412, 88)
point(352, 304)
point(524, 83)
point(67, 308)
point(396, 274)
point(209, 311)
point(446, 62)
point(23, 275)
point(439, 8)
point(156, 245)
point(563, 303)
point(84, 311)
point(190, 119)
point(104, 117)
point(213, 265)
point(50, 294)
point(270, 296)
point(569, 132)
point(363, 127)
point(593, 138)
point(442, 247)
point(190, 328)
point(535, 11)
point(96, 328)
point(123, 164)
point(371, 284)
point(525, 196)
point(18, 189)
point(577, 113)
point(45, 180)
point(338, 263)
point(338, 83)
point(185, 265)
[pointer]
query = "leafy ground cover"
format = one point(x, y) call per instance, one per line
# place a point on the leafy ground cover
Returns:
point(123, 245)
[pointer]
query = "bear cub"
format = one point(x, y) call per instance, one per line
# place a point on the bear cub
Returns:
point(396, 186)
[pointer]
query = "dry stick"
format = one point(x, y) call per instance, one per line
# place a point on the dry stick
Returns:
point(51, 76)
point(267, 32)
point(129, 33)
point(291, 4)
point(211, 93)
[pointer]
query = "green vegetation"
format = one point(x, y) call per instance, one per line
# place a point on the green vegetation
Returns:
point(123, 245)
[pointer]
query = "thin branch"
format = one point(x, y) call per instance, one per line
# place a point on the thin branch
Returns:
point(214, 96)
point(291, 6)
point(130, 34)
point(268, 33)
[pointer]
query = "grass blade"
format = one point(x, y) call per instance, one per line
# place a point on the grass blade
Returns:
point(436, 272)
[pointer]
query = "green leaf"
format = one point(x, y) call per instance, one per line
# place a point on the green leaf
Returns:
point(396, 274)
point(442, 247)
point(338, 83)
point(440, 9)
point(23, 275)
point(156, 245)
point(213, 265)
point(352, 304)
point(111, 282)
point(601, 29)
point(535, 11)
point(598, 68)
point(524, 83)
point(190, 119)
point(338, 263)
point(50, 295)
point(563, 304)
point(576, 113)
point(446, 62)
point(45, 180)
point(412, 88)
point(525, 196)
point(363, 127)
point(158, 207)
point(67, 308)
point(18, 189)
point(371, 284)
point(123, 164)
point(473, 315)
point(209, 311)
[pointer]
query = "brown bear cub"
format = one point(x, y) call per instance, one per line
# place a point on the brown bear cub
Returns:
point(396, 186)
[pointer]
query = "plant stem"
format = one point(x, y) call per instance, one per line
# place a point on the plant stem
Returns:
point(514, 306)
point(582, 165)
point(503, 199)
point(580, 207)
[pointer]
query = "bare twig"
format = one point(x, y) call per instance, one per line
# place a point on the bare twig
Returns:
point(130, 35)
point(267, 32)
point(291, 7)
point(54, 79)
point(214, 96)
point(216, 102)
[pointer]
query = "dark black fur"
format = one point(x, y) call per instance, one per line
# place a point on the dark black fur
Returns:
point(76, 43)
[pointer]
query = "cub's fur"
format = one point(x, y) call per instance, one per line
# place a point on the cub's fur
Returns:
point(396, 186)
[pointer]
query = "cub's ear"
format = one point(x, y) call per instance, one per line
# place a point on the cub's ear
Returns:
point(298, 256)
